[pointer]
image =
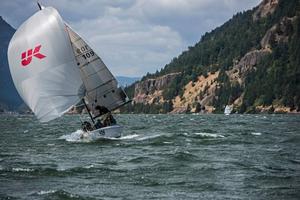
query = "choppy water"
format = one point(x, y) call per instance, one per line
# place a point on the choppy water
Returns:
point(158, 157)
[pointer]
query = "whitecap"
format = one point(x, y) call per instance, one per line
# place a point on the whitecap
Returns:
point(148, 137)
point(75, 137)
point(211, 135)
point(185, 134)
point(62, 169)
point(256, 133)
point(17, 169)
point(88, 166)
point(26, 131)
point(127, 137)
point(42, 192)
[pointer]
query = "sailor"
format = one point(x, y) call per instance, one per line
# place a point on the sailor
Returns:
point(86, 126)
point(98, 124)
point(109, 120)
point(101, 110)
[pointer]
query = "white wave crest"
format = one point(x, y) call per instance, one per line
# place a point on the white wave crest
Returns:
point(42, 192)
point(76, 136)
point(210, 135)
point(256, 133)
point(149, 137)
point(128, 137)
point(17, 169)
point(88, 166)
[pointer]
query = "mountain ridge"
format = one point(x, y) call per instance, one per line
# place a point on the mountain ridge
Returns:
point(255, 55)
point(9, 98)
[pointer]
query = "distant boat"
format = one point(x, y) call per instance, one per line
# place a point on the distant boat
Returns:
point(228, 110)
point(54, 69)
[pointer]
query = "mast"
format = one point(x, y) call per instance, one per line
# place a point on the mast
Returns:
point(88, 110)
point(40, 6)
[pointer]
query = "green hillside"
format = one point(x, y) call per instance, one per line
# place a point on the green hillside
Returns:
point(276, 78)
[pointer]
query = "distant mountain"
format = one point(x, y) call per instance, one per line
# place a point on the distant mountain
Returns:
point(9, 98)
point(126, 81)
point(252, 62)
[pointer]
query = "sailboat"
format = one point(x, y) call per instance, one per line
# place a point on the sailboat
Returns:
point(54, 69)
point(228, 110)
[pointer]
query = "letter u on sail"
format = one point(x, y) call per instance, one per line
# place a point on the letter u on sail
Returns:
point(58, 68)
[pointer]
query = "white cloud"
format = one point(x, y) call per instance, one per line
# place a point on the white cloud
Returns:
point(129, 44)
point(135, 36)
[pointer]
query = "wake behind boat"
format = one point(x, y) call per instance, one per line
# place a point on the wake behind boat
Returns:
point(54, 69)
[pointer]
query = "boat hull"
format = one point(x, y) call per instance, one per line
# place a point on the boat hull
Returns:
point(109, 132)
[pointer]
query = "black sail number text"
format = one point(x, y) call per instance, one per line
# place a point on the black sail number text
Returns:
point(86, 52)
point(88, 55)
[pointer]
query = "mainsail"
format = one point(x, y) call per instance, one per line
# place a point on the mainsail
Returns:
point(53, 68)
point(101, 86)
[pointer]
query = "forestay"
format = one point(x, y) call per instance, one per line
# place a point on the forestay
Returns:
point(43, 66)
point(100, 85)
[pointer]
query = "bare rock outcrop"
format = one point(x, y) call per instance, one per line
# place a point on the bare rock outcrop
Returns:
point(198, 96)
point(239, 71)
point(150, 91)
point(265, 8)
point(278, 33)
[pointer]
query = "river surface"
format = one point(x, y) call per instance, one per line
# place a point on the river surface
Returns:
point(158, 157)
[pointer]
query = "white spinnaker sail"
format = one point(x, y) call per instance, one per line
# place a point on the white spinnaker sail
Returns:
point(100, 85)
point(48, 79)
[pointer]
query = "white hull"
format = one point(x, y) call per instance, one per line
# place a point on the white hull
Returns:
point(228, 110)
point(109, 132)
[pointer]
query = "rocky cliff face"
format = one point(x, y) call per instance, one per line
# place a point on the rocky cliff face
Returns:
point(266, 8)
point(278, 33)
point(239, 71)
point(150, 91)
point(198, 96)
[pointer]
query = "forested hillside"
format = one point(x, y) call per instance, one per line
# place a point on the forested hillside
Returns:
point(9, 98)
point(252, 63)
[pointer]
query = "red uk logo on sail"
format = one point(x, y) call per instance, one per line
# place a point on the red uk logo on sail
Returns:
point(27, 55)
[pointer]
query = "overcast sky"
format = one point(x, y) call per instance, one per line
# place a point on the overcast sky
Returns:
point(134, 37)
